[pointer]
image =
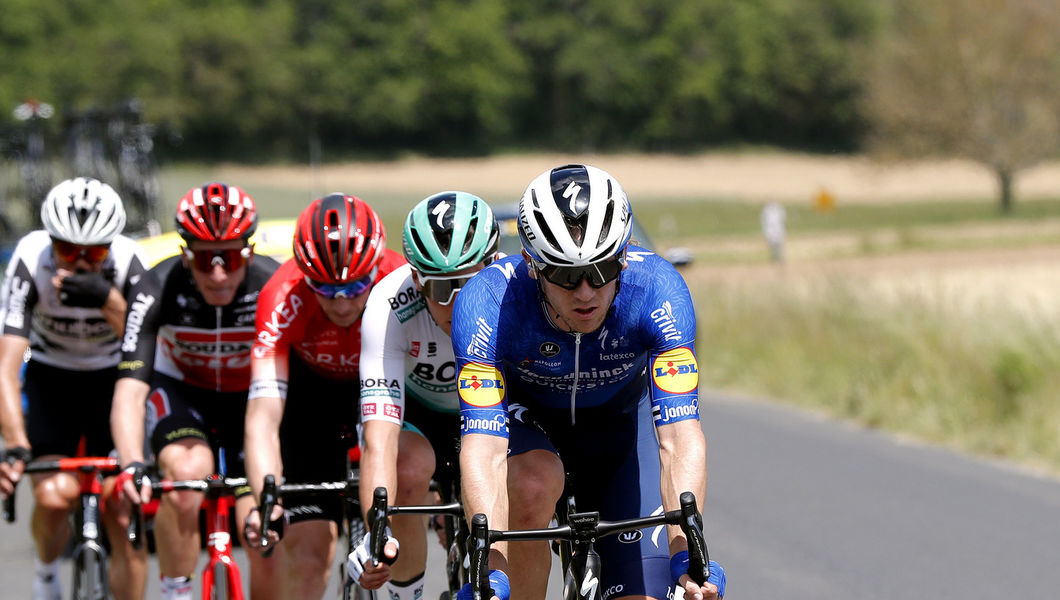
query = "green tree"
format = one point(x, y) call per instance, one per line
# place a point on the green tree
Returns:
point(979, 79)
point(397, 72)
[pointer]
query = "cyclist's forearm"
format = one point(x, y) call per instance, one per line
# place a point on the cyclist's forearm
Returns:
point(262, 441)
point(484, 476)
point(378, 464)
point(683, 461)
point(127, 419)
point(12, 425)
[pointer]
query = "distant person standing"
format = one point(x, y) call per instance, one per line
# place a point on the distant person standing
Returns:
point(772, 219)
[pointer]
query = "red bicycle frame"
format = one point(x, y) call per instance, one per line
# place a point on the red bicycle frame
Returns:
point(89, 556)
point(218, 505)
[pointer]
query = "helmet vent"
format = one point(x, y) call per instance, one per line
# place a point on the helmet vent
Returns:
point(606, 229)
point(553, 242)
point(576, 226)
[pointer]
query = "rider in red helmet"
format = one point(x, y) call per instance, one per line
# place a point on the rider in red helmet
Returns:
point(305, 378)
point(186, 369)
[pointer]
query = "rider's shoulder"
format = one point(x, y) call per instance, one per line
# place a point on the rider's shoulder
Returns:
point(32, 246)
point(287, 279)
point(263, 267)
point(646, 266)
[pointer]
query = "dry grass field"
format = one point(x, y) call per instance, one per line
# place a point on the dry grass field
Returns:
point(942, 329)
point(994, 264)
point(754, 177)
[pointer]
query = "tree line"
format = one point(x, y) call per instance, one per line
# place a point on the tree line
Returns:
point(258, 79)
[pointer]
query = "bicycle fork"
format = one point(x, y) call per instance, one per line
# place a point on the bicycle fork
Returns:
point(220, 576)
point(90, 574)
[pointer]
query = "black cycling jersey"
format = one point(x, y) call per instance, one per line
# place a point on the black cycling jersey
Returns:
point(67, 337)
point(172, 330)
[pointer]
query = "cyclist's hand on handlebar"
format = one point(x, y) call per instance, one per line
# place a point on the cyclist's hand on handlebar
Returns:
point(12, 467)
point(713, 589)
point(252, 527)
point(126, 485)
point(359, 563)
point(502, 588)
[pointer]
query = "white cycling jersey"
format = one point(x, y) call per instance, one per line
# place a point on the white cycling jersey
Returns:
point(63, 336)
point(403, 353)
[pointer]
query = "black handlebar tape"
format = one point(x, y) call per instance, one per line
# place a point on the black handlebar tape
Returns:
point(136, 520)
point(9, 507)
point(377, 522)
point(691, 524)
point(479, 549)
point(9, 501)
point(268, 501)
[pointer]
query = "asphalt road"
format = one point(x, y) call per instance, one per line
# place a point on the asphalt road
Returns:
point(801, 507)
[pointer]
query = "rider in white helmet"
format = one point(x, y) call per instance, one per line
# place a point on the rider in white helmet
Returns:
point(577, 377)
point(64, 300)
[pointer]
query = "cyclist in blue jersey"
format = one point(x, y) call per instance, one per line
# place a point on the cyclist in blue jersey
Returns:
point(577, 364)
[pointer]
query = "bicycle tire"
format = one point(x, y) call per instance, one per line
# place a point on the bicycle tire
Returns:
point(90, 573)
point(219, 590)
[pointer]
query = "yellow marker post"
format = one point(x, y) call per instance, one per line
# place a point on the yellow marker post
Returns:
point(824, 201)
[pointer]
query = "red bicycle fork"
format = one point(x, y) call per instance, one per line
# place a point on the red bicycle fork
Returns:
point(219, 545)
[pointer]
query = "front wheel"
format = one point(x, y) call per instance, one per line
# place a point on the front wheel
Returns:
point(219, 589)
point(90, 573)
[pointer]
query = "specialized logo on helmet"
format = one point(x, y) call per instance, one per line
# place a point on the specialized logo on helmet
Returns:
point(480, 385)
point(571, 193)
point(675, 371)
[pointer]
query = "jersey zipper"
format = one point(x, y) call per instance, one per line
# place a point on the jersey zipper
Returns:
point(217, 348)
point(577, 370)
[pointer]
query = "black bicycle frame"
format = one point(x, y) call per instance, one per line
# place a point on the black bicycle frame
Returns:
point(455, 535)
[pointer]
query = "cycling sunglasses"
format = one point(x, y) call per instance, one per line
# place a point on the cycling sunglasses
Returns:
point(230, 259)
point(350, 289)
point(71, 252)
point(599, 274)
point(443, 289)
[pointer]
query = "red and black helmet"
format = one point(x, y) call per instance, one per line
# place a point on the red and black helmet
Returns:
point(338, 238)
point(216, 212)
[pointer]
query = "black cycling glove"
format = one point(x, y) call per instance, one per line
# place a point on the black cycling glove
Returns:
point(86, 290)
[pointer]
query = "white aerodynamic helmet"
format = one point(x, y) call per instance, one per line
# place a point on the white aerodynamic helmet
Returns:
point(574, 215)
point(83, 211)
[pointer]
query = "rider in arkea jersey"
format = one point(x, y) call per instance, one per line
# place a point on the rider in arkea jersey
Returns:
point(409, 406)
point(64, 302)
point(578, 358)
point(186, 368)
point(302, 411)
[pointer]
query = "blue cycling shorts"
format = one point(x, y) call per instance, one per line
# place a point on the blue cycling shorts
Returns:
point(611, 455)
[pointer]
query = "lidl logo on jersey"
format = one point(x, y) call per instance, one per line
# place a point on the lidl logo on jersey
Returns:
point(480, 385)
point(675, 371)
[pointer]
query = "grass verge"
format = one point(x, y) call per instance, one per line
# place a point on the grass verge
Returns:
point(984, 383)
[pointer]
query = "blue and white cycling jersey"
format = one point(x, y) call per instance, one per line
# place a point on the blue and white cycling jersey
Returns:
point(509, 352)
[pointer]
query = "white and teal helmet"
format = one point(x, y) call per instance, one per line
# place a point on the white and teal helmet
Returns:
point(449, 231)
point(83, 211)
